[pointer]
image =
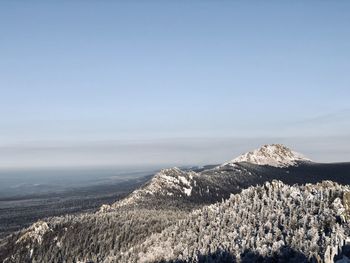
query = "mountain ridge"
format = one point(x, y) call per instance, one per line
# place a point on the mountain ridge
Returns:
point(218, 182)
point(164, 201)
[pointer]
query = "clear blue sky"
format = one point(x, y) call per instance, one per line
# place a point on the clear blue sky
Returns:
point(105, 82)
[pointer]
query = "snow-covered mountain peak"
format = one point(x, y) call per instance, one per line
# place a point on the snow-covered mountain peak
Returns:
point(276, 155)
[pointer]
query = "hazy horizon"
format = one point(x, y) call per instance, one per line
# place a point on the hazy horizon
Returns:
point(101, 83)
point(160, 153)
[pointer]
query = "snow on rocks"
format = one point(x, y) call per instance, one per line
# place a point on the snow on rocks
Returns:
point(35, 232)
point(167, 182)
point(276, 155)
point(105, 208)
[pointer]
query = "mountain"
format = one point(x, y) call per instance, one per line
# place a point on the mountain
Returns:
point(166, 201)
point(192, 188)
point(276, 155)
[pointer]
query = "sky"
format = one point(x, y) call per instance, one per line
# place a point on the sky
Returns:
point(89, 83)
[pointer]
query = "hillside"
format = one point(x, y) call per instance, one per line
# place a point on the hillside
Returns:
point(120, 229)
point(269, 222)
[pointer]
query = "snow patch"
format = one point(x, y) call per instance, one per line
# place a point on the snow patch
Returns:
point(105, 208)
point(184, 180)
point(35, 232)
point(188, 191)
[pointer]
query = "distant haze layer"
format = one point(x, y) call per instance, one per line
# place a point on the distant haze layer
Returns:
point(161, 153)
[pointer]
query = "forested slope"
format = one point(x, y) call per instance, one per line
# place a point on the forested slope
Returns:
point(273, 222)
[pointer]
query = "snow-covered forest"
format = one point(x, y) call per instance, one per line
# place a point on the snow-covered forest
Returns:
point(274, 221)
point(235, 212)
point(271, 221)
